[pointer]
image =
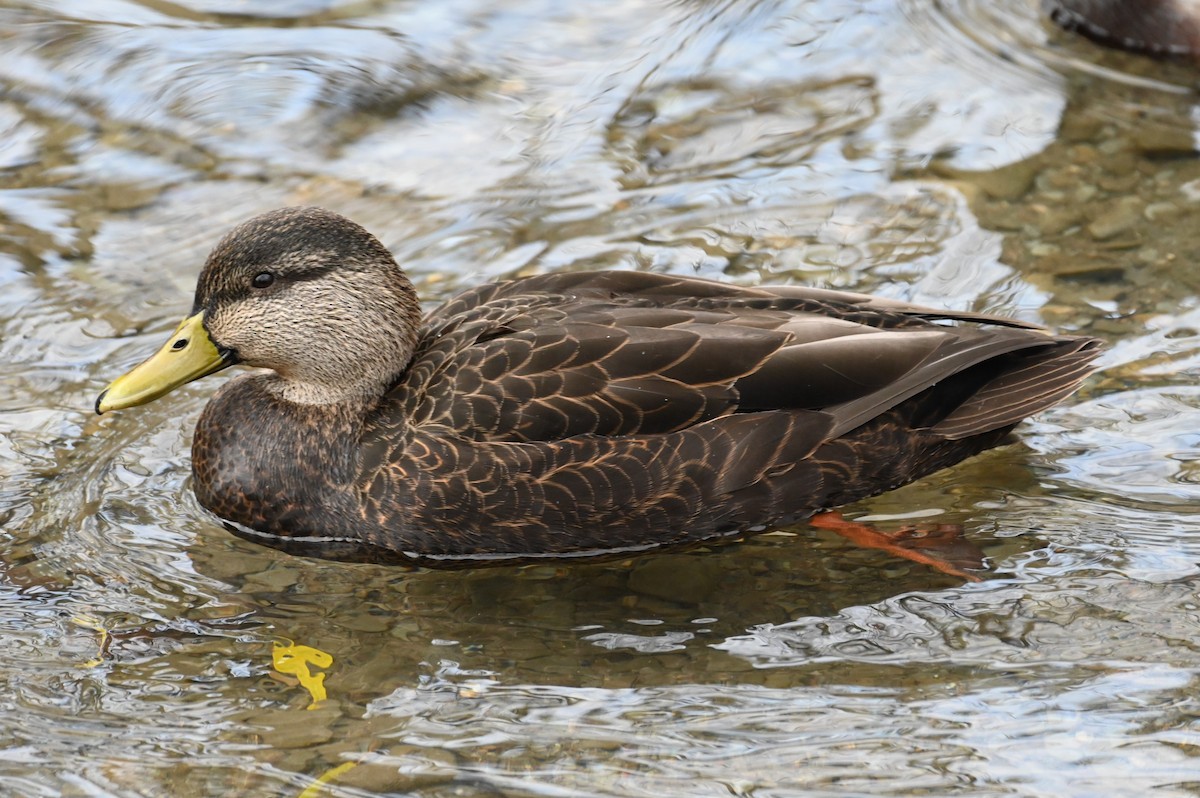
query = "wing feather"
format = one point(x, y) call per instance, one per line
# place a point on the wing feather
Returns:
point(625, 353)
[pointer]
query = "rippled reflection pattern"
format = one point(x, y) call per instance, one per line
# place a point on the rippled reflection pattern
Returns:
point(951, 152)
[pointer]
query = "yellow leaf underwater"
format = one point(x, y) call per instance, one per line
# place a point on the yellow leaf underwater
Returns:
point(294, 660)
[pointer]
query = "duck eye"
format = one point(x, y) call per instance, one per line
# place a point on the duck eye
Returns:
point(263, 280)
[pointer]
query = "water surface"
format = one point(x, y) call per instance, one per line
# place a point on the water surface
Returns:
point(954, 152)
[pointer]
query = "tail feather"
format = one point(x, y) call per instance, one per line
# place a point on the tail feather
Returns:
point(1050, 375)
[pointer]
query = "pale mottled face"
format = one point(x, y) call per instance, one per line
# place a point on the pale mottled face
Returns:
point(314, 297)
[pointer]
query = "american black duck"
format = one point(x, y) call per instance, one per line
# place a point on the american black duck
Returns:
point(564, 415)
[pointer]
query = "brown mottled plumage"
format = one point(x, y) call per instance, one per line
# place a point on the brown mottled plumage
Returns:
point(573, 415)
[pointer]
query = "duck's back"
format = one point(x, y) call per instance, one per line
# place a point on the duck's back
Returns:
point(621, 353)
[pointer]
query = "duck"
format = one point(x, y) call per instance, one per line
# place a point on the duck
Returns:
point(1167, 28)
point(569, 415)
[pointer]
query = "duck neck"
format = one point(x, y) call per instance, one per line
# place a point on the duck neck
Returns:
point(364, 393)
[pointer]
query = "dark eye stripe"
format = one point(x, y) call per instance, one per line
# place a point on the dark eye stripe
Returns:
point(314, 273)
point(267, 279)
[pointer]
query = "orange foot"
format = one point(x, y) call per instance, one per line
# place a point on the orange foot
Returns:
point(941, 546)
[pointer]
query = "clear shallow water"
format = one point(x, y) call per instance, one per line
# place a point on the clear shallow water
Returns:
point(960, 153)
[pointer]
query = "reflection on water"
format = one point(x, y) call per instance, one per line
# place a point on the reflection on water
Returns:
point(953, 152)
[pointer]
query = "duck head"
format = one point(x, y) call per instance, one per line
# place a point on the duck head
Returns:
point(304, 292)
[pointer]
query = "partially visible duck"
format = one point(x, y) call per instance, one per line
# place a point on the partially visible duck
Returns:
point(1157, 27)
point(565, 415)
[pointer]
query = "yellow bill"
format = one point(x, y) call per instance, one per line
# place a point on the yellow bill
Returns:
point(188, 354)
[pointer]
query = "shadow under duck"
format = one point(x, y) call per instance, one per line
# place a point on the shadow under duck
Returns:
point(565, 415)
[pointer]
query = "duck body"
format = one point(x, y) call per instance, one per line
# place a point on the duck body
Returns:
point(595, 414)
